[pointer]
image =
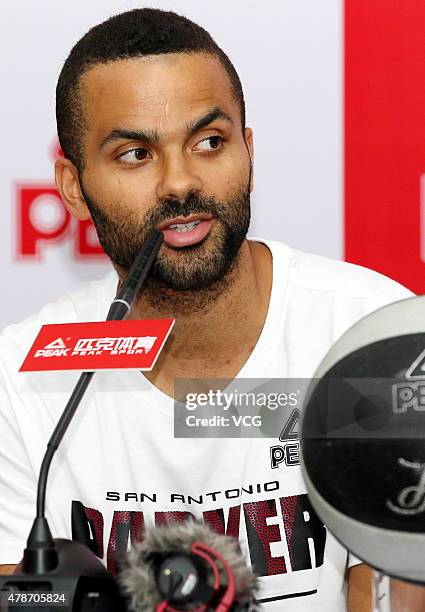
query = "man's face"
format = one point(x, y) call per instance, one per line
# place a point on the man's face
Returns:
point(164, 148)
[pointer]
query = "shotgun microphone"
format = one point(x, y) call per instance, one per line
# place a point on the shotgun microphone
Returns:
point(187, 566)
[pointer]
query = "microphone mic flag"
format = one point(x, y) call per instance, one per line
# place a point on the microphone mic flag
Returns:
point(51, 568)
point(187, 566)
point(363, 439)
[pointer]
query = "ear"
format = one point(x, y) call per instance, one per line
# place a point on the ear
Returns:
point(68, 184)
point(249, 140)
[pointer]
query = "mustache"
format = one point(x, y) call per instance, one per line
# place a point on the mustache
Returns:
point(192, 204)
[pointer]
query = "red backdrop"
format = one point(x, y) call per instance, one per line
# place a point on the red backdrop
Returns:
point(385, 137)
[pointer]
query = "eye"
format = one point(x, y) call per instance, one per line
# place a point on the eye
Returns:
point(211, 143)
point(133, 156)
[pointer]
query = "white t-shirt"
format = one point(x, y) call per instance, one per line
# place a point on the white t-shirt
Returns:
point(120, 468)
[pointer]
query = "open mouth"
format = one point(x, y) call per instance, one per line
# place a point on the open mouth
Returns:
point(186, 232)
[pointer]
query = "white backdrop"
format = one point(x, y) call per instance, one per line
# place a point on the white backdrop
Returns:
point(289, 56)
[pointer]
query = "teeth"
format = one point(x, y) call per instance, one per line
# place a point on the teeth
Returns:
point(184, 227)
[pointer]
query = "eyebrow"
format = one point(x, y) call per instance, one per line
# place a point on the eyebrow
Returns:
point(212, 115)
point(148, 136)
point(153, 136)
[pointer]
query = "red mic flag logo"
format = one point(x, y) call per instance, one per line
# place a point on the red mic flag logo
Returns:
point(103, 345)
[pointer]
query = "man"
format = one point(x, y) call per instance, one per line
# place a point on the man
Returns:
point(151, 120)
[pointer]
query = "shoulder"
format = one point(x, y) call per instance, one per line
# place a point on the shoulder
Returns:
point(324, 276)
point(90, 303)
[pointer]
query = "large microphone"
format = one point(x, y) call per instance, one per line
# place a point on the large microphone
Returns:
point(363, 440)
point(60, 565)
point(187, 566)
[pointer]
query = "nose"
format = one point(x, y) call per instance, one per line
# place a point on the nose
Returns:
point(178, 179)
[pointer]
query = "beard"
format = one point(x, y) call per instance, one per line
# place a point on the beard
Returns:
point(122, 232)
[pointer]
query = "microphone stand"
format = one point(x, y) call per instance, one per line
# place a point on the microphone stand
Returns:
point(69, 566)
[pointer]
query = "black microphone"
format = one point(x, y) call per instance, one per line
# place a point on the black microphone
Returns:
point(121, 305)
point(62, 566)
point(187, 566)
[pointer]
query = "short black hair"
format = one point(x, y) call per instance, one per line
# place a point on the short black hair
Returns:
point(135, 33)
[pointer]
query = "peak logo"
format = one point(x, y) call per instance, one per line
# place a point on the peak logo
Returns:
point(290, 430)
point(288, 452)
point(98, 346)
point(42, 221)
point(56, 344)
point(410, 395)
point(417, 369)
point(57, 348)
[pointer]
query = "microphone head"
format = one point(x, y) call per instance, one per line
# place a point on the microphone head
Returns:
point(139, 577)
point(363, 439)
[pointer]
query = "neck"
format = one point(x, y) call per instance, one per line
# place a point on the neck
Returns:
point(216, 326)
